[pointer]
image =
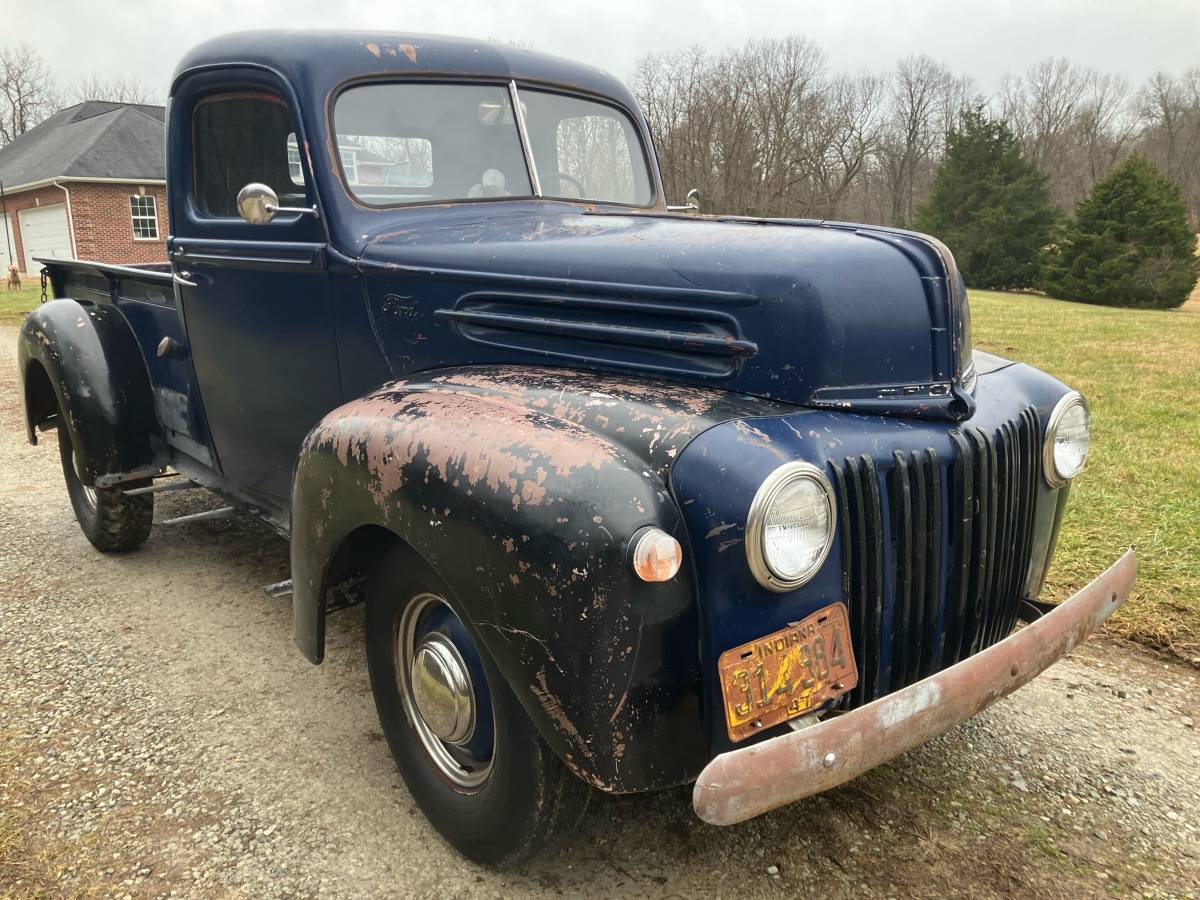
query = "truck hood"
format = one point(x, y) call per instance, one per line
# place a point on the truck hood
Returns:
point(811, 313)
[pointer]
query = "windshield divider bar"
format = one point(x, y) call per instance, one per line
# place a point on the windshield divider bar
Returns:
point(519, 116)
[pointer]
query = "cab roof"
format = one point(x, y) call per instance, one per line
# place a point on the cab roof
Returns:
point(325, 57)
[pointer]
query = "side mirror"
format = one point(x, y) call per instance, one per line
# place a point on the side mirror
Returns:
point(258, 204)
point(691, 204)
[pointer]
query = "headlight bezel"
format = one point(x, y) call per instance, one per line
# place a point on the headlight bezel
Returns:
point(766, 494)
point(1050, 471)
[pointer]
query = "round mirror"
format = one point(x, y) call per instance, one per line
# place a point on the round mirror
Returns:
point(257, 203)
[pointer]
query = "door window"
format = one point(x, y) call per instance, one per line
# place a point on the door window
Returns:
point(240, 138)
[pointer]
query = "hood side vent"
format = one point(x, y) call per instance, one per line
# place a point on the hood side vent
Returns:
point(642, 335)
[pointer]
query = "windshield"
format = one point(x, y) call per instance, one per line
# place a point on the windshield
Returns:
point(429, 143)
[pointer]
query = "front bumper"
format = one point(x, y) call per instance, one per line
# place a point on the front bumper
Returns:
point(744, 783)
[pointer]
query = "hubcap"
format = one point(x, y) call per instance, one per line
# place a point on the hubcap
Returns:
point(444, 691)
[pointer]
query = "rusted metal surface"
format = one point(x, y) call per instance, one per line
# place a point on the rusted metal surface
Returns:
point(788, 673)
point(745, 783)
point(522, 487)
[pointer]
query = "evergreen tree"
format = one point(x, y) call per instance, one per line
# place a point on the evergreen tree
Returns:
point(990, 206)
point(1129, 245)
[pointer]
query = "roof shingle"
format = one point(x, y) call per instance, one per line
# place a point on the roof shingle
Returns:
point(96, 139)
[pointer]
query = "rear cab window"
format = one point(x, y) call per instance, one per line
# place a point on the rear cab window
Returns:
point(239, 138)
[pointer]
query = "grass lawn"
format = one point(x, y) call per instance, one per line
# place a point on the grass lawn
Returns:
point(14, 305)
point(1140, 371)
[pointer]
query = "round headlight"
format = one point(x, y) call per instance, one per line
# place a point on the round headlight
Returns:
point(1068, 437)
point(790, 527)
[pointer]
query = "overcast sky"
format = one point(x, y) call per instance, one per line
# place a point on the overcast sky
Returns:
point(1133, 38)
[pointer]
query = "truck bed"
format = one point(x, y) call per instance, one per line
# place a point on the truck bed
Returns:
point(145, 296)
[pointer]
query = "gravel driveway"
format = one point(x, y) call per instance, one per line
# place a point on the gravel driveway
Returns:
point(160, 735)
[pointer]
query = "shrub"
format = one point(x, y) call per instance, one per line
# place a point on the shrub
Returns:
point(990, 206)
point(1129, 244)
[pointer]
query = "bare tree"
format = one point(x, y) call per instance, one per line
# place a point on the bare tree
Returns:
point(27, 91)
point(1169, 109)
point(114, 88)
point(925, 100)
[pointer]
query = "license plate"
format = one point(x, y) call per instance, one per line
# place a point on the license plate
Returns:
point(787, 673)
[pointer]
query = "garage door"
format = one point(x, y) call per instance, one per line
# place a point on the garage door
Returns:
point(44, 233)
point(8, 245)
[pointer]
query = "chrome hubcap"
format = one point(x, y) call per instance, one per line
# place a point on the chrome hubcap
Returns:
point(442, 689)
point(443, 701)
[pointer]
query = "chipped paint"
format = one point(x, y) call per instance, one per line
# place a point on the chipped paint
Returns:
point(540, 476)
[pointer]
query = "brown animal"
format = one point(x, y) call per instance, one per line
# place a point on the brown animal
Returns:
point(14, 279)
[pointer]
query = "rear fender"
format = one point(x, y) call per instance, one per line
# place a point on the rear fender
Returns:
point(88, 356)
point(522, 489)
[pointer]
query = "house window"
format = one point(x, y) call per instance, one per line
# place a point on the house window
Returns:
point(145, 218)
point(295, 170)
point(350, 164)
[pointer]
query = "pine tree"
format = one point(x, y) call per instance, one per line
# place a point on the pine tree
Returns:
point(990, 206)
point(1129, 245)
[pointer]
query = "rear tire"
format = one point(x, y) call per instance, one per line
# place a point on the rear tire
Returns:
point(110, 519)
point(502, 805)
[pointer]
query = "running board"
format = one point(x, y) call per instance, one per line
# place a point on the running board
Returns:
point(223, 513)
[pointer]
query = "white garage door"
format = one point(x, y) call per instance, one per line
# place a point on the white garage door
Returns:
point(8, 245)
point(44, 233)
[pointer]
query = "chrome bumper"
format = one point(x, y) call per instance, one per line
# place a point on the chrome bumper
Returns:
point(744, 783)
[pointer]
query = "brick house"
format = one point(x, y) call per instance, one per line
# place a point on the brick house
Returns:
point(87, 183)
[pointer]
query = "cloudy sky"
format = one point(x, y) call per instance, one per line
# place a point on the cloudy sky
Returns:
point(1134, 38)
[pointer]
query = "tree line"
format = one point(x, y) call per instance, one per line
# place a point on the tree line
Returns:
point(771, 129)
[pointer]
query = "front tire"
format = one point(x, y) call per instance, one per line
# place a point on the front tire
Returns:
point(471, 758)
point(110, 519)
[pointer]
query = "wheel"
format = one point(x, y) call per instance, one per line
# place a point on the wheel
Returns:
point(466, 749)
point(111, 519)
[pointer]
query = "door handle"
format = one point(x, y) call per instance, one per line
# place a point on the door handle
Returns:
point(183, 278)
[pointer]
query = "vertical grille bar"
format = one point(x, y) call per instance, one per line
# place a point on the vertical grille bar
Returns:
point(961, 537)
point(935, 637)
point(873, 506)
point(900, 497)
point(857, 487)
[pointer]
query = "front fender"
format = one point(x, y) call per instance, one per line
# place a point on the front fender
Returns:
point(94, 367)
point(522, 489)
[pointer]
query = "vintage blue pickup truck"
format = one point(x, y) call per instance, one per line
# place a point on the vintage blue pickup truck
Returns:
point(634, 498)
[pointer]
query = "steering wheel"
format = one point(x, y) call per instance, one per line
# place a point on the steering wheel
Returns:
point(563, 176)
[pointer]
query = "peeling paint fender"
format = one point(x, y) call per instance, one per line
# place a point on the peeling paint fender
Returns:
point(99, 380)
point(521, 488)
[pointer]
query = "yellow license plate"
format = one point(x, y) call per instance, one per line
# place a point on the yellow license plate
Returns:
point(787, 673)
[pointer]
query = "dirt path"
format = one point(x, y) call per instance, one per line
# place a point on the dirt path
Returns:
point(160, 735)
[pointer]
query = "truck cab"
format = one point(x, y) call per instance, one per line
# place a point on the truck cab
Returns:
point(634, 498)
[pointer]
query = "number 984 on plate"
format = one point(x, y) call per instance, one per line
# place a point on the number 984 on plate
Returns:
point(787, 673)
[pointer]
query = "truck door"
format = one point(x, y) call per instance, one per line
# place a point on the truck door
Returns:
point(256, 299)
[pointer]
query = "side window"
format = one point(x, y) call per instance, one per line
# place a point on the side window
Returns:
point(240, 138)
point(594, 149)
